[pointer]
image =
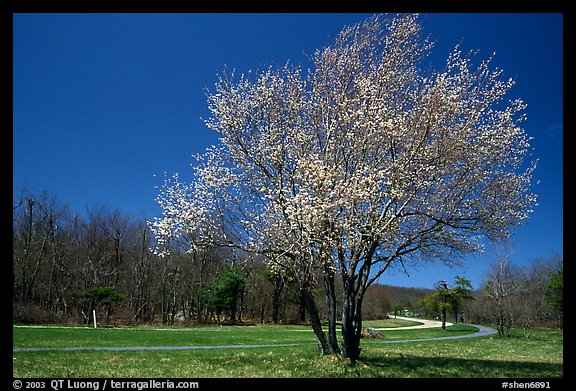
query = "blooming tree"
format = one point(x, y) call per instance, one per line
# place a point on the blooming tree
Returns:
point(365, 162)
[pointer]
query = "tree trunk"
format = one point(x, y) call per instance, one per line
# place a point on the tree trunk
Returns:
point(233, 312)
point(302, 307)
point(331, 309)
point(278, 287)
point(351, 322)
point(508, 326)
point(316, 325)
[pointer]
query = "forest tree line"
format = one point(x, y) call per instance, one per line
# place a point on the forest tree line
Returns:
point(65, 265)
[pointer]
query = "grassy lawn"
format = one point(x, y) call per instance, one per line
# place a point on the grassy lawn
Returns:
point(390, 322)
point(124, 337)
point(47, 337)
point(540, 356)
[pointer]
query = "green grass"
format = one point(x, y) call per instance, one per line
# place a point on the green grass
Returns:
point(459, 329)
point(516, 357)
point(390, 322)
point(129, 337)
point(44, 337)
point(540, 356)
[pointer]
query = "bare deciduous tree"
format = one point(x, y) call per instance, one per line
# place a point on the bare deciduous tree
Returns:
point(505, 281)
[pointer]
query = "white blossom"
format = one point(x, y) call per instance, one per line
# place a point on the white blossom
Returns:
point(365, 161)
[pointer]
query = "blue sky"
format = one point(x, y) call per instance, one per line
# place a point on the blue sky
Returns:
point(104, 104)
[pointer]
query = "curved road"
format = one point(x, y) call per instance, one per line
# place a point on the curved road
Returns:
point(426, 324)
point(482, 332)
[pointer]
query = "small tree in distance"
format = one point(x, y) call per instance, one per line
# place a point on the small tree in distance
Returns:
point(105, 295)
point(445, 298)
point(460, 292)
point(505, 281)
point(555, 292)
point(364, 163)
point(224, 294)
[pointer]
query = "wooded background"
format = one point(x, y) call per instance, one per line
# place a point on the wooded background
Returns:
point(66, 264)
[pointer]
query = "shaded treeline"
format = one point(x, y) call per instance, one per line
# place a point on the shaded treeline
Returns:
point(66, 264)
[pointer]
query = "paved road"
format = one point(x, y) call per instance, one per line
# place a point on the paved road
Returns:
point(426, 324)
point(482, 332)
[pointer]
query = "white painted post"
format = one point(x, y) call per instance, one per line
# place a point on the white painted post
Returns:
point(94, 316)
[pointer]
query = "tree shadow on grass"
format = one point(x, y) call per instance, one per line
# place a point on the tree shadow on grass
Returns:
point(403, 365)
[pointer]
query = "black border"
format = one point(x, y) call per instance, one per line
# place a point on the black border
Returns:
point(9, 7)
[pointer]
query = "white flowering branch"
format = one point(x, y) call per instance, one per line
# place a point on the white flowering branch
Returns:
point(364, 162)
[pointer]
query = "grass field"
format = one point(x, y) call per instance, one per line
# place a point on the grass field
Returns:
point(538, 357)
